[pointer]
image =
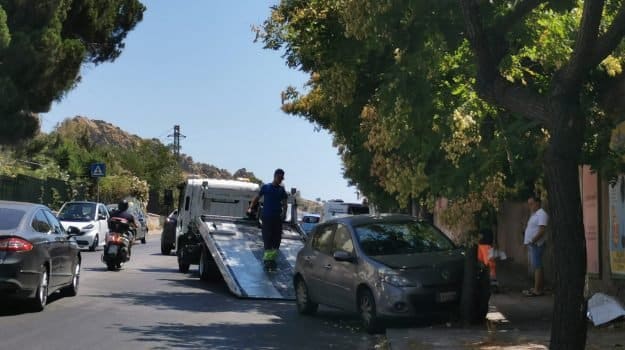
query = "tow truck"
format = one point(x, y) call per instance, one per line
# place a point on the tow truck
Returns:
point(215, 233)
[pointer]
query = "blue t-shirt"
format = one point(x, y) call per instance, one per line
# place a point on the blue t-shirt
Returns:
point(273, 197)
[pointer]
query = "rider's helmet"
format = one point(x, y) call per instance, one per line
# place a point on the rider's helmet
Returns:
point(122, 205)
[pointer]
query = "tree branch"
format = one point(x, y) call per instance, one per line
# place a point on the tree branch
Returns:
point(611, 38)
point(581, 59)
point(518, 13)
point(491, 86)
point(505, 23)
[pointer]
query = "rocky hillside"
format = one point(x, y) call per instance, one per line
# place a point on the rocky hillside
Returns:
point(98, 133)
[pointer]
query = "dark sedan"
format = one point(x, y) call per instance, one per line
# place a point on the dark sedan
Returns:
point(168, 236)
point(37, 256)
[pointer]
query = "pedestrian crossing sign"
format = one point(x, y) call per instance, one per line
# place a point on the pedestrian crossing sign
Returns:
point(98, 170)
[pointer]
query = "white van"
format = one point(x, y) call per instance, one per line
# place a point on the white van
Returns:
point(336, 208)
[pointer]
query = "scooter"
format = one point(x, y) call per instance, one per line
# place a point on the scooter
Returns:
point(118, 244)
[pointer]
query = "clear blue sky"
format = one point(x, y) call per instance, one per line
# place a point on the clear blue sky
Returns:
point(194, 63)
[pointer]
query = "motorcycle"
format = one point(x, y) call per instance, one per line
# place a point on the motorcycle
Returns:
point(118, 244)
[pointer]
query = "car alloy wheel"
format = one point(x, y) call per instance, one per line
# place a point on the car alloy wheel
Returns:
point(368, 312)
point(305, 305)
point(72, 289)
point(41, 296)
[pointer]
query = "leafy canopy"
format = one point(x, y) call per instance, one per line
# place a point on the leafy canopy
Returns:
point(44, 43)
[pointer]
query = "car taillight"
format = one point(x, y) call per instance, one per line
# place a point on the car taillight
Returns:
point(15, 244)
point(115, 238)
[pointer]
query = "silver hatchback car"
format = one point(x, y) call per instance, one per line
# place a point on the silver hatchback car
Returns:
point(385, 266)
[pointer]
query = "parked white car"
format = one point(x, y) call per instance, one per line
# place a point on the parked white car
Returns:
point(92, 220)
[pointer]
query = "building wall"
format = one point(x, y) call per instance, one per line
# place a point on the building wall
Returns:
point(604, 282)
point(511, 221)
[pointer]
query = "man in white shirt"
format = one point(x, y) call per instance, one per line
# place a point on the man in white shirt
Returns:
point(535, 241)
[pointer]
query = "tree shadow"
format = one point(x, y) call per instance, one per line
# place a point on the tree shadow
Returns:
point(275, 325)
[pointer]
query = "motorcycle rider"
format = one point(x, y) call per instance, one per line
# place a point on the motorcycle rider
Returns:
point(122, 212)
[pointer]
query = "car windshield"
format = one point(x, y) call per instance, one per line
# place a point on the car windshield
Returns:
point(10, 218)
point(406, 237)
point(77, 212)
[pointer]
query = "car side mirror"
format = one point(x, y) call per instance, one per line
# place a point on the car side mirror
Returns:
point(341, 255)
point(101, 217)
point(73, 231)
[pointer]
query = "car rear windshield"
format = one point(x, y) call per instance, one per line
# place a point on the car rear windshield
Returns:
point(10, 218)
point(407, 237)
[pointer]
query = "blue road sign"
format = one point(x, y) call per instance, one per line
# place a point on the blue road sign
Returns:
point(97, 169)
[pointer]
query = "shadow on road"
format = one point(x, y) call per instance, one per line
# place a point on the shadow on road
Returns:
point(14, 307)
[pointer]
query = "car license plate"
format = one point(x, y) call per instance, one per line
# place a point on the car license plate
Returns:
point(112, 250)
point(445, 297)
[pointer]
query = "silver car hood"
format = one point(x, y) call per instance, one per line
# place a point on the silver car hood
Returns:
point(420, 261)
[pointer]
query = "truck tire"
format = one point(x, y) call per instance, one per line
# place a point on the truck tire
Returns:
point(165, 248)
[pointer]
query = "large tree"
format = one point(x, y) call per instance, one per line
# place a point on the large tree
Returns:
point(451, 97)
point(43, 44)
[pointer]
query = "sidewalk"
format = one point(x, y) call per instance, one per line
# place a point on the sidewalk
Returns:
point(514, 322)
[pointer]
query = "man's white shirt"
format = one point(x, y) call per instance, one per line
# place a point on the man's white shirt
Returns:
point(537, 219)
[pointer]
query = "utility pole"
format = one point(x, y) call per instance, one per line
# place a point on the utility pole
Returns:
point(177, 135)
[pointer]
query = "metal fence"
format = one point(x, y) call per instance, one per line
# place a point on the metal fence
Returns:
point(51, 192)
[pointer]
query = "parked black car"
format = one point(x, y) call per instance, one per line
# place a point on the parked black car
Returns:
point(142, 223)
point(168, 236)
point(37, 256)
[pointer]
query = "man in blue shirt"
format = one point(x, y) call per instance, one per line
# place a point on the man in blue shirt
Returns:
point(272, 216)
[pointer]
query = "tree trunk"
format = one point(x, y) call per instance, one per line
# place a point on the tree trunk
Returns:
point(469, 285)
point(568, 328)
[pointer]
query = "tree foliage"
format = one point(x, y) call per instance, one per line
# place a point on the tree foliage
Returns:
point(392, 81)
point(468, 99)
point(44, 43)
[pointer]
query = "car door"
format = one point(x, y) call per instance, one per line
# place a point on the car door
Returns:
point(65, 256)
point(53, 247)
point(341, 276)
point(317, 261)
point(102, 217)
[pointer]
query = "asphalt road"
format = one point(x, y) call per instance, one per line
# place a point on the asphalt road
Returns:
point(150, 305)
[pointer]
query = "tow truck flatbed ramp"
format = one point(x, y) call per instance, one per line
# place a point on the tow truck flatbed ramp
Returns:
point(237, 248)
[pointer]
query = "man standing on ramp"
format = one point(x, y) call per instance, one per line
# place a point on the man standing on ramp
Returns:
point(272, 216)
